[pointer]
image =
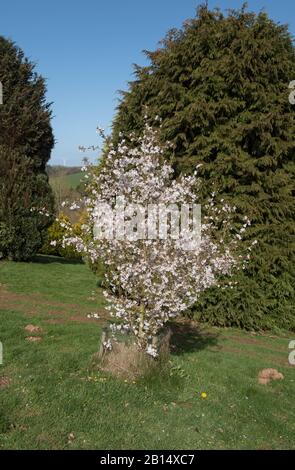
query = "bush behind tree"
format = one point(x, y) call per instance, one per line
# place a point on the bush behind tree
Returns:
point(53, 240)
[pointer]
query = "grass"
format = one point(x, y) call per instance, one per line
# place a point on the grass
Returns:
point(56, 399)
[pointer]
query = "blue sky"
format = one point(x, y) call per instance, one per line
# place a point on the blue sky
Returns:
point(86, 48)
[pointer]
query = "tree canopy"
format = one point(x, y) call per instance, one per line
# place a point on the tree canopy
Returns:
point(26, 141)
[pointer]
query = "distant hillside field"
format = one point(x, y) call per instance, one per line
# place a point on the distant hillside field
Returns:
point(64, 182)
point(70, 181)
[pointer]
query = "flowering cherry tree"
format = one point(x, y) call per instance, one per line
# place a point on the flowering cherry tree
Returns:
point(151, 279)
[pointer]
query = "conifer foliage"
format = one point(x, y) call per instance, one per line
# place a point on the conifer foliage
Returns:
point(220, 87)
point(26, 140)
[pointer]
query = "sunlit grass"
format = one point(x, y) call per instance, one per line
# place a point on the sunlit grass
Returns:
point(57, 399)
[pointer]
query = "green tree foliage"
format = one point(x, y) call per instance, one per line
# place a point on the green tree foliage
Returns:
point(26, 141)
point(220, 86)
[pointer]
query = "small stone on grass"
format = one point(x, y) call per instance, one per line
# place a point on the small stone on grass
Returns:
point(33, 329)
point(266, 375)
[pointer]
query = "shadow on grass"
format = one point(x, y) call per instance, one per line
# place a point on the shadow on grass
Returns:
point(47, 259)
point(187, 337)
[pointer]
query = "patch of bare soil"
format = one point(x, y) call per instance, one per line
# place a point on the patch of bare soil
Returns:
point(34, 304)
point(240, 340)
point(257, 342)
point(75, 318)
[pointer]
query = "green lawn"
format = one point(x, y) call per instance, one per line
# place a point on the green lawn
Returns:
point(54, 397)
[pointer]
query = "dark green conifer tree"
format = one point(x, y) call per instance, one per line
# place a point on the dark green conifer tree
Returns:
point(26, 141)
